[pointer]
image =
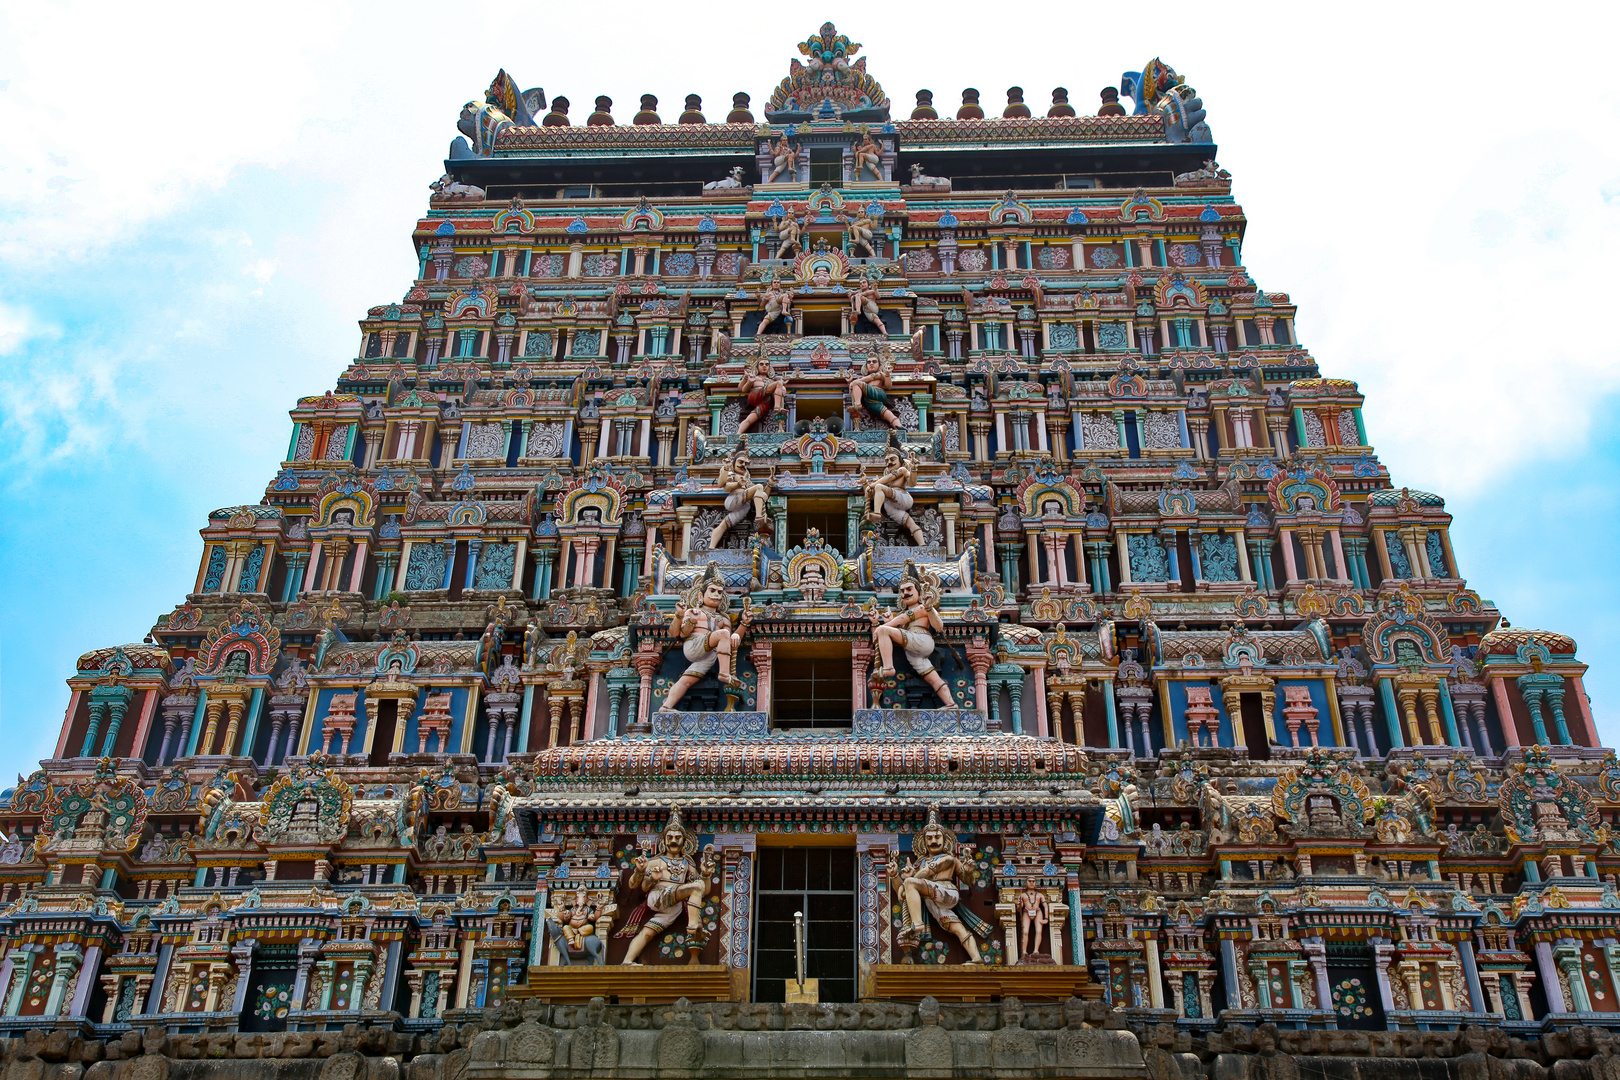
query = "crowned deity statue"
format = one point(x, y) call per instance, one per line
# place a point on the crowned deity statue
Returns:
point(887, 494)
point(934, 880)
point(913, 628)
point(742, 493)
point(701, 618)
point(676, 880)
point(870, 389)
point(765, 390)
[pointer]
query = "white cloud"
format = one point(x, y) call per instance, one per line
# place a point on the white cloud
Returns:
point(115, 115)
point(17, 327)
point(261, 271)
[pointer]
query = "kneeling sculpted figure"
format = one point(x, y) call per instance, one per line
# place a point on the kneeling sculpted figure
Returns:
point(675, 881)
point(933, 880)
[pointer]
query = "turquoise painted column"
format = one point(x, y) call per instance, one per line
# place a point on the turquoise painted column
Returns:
point(1113, 718)
point(1555, 701)
point(1392, 715)
point(1229, 968)
point(251, 728)
point(523, 720)
point(1476, 993)
point(197, 724)
point(1450, 714)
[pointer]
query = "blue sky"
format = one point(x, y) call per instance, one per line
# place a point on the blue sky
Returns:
point(197, 204)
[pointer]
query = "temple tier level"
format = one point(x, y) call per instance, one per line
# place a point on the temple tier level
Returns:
point(909, 555)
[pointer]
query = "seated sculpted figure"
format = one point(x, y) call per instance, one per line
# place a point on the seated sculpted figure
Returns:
point(784, 160)
point(870, 389)
point(777, 303)
point(887, 494)
point(701, 619)
point(861, 231)
point(675, 882)
point(765, 391)
point(909, 628)
point(863, 303)
point(789, 236)
point(868, 157)
point(742, 491)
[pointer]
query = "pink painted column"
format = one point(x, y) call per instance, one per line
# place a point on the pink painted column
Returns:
point(1078, 542)
point(646, 664)
point(1286, 542)
point(1038, 675)
point(1338, 556)
point(562, 566)
point(591, 696)
point(587, 565)
point(309, 571)
point(861, 656)
point(1584, 708)
point(145, 723)
point(72, 711)
point(1510, 729)
point(978, 654)
point(359, 572)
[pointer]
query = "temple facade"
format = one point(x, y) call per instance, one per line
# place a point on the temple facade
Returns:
point(824, 554)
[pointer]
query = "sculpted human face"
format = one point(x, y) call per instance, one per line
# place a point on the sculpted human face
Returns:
point(714, 594)
point(933, 839)
point(674, 837)
point(908, 593)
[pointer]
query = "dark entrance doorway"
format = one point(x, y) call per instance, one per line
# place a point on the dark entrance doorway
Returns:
point(1254, 727)
point(820, 882)
point(829, 517)
point(812, 685)
point(1356, 1001)
point(269, 996)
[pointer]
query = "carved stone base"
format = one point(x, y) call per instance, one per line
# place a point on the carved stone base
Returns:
point(975, 982)
point(644, 985)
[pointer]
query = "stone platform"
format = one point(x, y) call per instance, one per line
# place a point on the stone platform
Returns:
point(646, 985)
point(981, 982)
point(865, 724)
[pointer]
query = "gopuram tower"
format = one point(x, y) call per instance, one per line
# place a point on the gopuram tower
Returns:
point(829, 568)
